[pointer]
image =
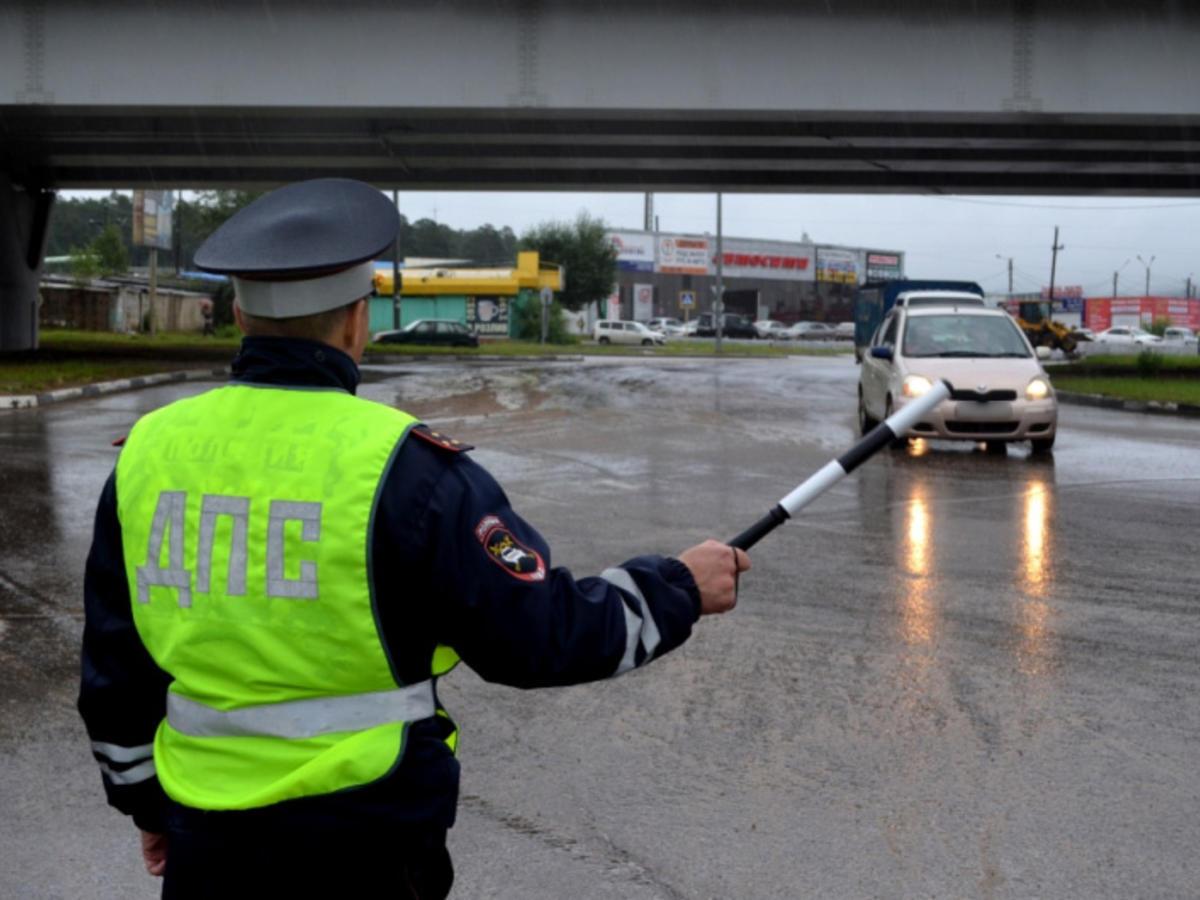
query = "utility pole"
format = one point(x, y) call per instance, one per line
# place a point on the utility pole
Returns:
point(1147, 265)
point(1055, 247)
point(719, 299)
point(1114, 285)
point(1187, 291)
point(1010, 272)
point(396, 267)
point(648, 217)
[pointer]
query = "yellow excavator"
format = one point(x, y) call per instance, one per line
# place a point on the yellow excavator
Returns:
point(1042, 331)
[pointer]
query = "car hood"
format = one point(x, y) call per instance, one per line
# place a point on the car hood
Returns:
point(967, 373)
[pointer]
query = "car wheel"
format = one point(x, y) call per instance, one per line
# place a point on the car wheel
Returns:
point(898, 443)
point(646, 342)
point(1042, 445)
point(998, 448)
point(865, 422)
point(603, 340)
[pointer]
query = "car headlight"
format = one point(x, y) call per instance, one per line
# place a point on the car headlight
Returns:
point(916, 386)
point(1038, 389)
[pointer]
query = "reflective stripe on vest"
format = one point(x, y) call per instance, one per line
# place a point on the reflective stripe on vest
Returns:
point(303, 718)
point(247, 526)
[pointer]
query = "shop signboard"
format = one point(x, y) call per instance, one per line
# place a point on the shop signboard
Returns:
point(837, 266)
point(152, 213)
point(767, 260)
point(680, 255)
point(643, 302)
point(635, 250)
point(884, 266)
point(613, 305)
point(488, 315)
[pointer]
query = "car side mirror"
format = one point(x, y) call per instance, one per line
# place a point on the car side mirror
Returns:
point(1042, 352)
point(882, 353)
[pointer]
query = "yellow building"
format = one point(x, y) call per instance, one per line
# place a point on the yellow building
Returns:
point(482, 299)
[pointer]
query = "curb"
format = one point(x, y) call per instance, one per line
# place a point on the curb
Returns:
point(1187, 410)
point(49, 398)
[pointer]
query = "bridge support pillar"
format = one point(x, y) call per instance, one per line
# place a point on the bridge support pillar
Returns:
point(24, 222)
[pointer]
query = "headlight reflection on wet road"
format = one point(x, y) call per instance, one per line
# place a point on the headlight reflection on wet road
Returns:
point(1037, 578)
point(917, 615)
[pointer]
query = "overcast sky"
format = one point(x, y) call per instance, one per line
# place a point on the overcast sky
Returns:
point(950, 237)
point(947, 237)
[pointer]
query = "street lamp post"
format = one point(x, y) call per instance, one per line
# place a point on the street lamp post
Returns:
point(1010, 271)
point(1147, 265)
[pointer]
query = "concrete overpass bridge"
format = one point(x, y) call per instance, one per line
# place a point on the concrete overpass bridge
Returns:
point(995, 96)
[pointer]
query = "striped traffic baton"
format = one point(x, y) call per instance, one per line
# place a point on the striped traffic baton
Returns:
point(887, 431)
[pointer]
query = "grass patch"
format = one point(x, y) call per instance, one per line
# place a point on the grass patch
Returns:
point(1131, 388)
point(37, 375)
point(166, 347)
point(1115, 365)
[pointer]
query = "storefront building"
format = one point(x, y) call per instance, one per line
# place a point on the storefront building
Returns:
point(661, 274)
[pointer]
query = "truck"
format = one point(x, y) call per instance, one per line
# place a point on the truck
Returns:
point(873, 300)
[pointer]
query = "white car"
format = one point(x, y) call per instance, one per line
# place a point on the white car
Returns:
point(769, 329)
point(999, 390)
point(620, 331)
point(669, 327)
point(811, 331)
point(1124, 334)
point(1177, 334)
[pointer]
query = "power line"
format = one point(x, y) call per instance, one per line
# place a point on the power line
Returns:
point(981, 202)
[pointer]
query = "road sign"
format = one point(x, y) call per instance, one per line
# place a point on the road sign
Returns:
point(687, 299)
point(547, 295)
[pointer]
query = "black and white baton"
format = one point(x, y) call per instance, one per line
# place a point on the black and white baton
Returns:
point(890, 429)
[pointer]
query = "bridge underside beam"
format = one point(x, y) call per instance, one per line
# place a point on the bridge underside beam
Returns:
point(667, 150)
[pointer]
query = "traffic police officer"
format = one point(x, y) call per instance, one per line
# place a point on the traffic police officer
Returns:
point(280, 571)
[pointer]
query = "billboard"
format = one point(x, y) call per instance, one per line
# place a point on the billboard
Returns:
point(884, 266)
point(770, 260)
point(152, 211)
point(488, 315)
point(643, 302)
point(837, 266)
point(684, 255)
point(635, 250)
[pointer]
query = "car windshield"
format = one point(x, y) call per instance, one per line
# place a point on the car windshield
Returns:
point(953, 335)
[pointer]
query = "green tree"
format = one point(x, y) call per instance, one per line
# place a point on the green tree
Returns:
point(110, 251)
point(582, 248)
point(85, 264)
point(528, 326)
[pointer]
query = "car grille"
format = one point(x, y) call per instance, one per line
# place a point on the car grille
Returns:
point(982, 427)
point(959, 394)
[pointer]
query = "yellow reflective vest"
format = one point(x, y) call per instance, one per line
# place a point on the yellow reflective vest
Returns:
point(246, 518)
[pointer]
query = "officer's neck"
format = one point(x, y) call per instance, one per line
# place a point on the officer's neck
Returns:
point(294, 362)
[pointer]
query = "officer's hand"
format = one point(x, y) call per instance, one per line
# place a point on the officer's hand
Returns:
point(715, 567)
point(154, 853)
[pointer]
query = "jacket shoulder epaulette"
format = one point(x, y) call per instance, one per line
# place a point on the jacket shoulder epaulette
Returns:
point(439, 440)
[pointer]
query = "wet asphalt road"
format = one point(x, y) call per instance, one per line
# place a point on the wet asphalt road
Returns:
point(958, 675)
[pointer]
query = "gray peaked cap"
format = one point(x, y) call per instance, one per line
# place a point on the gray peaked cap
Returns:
point(304, 248)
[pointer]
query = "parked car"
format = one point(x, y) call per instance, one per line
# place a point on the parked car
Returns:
point(811, 331)
point(437, 332)
point(669, 327)
point(732, 326)
point(770, 329)
point(1123, 334)
point(999, 390)
point(844, 331)
point(1083, 334)
point(622, 331)
point(1177, 334)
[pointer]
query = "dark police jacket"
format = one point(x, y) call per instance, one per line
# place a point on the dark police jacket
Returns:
point(436, 582)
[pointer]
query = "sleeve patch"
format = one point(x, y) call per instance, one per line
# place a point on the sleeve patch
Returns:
point(442, 441)
point(502, 548)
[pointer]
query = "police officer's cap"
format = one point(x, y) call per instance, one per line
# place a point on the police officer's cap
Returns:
point(303, 249)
